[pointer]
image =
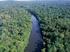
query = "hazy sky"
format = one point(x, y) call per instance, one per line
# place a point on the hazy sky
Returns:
point(16, 0)
point(34, 0)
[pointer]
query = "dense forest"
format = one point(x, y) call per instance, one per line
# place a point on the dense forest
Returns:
point(55, 25)
point(15, 28)
point(16, 25)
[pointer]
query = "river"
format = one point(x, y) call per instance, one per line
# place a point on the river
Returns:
point(35, 41)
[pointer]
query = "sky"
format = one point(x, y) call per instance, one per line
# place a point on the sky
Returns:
point(16, 0)
point(34, 0)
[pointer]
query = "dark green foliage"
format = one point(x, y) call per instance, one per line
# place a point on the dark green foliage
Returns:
point(15, 28)
point(55, 25)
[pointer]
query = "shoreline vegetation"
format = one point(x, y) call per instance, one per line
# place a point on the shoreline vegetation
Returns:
point(15, 25)
point(55, 23)
point(15, 29)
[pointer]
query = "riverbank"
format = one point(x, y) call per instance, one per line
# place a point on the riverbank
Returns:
point(35, 41)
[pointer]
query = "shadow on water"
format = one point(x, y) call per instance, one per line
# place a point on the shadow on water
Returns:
point(35, 42)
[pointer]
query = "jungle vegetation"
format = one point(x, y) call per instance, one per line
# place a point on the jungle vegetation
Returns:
point(55, 25)
point(15, 28)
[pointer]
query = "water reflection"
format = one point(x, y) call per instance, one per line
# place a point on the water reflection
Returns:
point(35, 41)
